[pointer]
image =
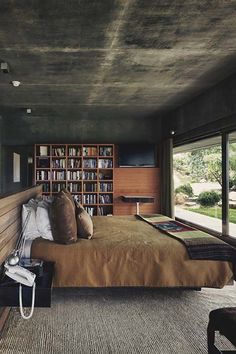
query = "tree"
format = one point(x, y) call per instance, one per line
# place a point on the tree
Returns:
point(213, 163)
point(205, 164)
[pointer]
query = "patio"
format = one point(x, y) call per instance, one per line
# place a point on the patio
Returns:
point(203, 220)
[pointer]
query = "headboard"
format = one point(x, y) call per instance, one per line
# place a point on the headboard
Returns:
point(10, 227)
point(10, 218)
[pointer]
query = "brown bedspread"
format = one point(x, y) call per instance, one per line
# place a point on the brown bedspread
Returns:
point(129, 252)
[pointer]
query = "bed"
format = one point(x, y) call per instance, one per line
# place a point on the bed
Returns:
point(127, 252)
point(124, 252)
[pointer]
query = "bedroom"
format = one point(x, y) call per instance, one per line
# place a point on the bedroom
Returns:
point(117, 72)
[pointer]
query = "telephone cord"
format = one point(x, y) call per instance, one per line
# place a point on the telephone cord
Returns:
point(26, 317)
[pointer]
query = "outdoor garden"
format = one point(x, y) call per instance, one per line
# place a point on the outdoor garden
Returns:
point(198, 181)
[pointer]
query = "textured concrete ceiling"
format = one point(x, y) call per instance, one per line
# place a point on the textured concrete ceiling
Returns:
point(112, 59)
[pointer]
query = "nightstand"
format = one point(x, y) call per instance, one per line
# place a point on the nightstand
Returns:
point(9, 290)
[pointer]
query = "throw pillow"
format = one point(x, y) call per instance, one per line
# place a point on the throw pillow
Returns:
point(42, 220)
point(84, 222)
point(62, 216)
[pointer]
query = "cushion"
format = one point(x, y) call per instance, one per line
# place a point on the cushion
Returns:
point(42, 220)
point(62, 217)
point(84, 222)
point(29, 226)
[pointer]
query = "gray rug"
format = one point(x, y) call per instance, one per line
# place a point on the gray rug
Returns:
point(118, 321)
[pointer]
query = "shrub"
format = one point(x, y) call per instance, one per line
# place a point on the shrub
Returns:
point(208, 198)
point(232, 183)
point(185, 189)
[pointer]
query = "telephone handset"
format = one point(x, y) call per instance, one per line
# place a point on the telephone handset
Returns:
point(20, 274)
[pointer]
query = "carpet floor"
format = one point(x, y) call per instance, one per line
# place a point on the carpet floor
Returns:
point(118, 321)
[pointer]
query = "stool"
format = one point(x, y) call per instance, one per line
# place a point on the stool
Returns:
point(224, 321)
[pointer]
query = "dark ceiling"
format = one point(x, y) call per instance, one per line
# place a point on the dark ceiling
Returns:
point(110, 60)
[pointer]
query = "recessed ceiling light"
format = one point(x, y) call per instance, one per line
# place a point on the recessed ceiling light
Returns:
point(172, 132)
point(15, 83)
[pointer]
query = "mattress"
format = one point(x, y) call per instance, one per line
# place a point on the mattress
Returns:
point(125, 252)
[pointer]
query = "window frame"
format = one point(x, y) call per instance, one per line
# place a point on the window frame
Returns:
point(224, 137)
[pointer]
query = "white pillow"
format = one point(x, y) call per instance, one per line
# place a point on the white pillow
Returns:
point(31, 231)
point(42, 221)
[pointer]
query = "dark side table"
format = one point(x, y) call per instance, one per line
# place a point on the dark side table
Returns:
point(9, 290)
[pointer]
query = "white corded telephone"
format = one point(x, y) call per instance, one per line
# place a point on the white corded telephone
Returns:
point(20, 274)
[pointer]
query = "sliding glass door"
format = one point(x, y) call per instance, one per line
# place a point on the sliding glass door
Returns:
point(232, 184)
point(198, 183)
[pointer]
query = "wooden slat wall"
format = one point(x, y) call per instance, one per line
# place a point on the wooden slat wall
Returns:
point(10, 226)
point(136, 181)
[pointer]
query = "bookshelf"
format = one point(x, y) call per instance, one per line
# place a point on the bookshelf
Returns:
point(86, 170)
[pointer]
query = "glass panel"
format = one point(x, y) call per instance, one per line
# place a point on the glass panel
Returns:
point(198, 183)
point(232, 184)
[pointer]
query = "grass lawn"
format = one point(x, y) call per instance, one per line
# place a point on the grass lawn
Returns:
point(215, 212)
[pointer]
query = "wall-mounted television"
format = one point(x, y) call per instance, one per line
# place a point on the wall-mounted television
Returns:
point(137, 155)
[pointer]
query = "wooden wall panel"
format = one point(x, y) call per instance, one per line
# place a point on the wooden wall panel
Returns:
point(7, 203)
point(8, 218)
point(136, 181)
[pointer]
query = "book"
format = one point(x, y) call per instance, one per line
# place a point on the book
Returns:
point(169, 226)
point(43, 150)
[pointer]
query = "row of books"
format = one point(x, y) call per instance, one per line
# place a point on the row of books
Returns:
point(90, 210)
point(74, 151)
point(43, 175)
point(74, 187)
point(44, 150)
point(58, 175)
point(57, 187)
point(105, 151)
point(90, 187)
point(59, 151)
point(89, 151)
point(105, 199)
point(74, 175)
point(46, 187)
point(74, 163)
point(89, 175)
point(90, 163)
point(105, 163)
point(59, 163)
point(105, 187)
point(89, 199)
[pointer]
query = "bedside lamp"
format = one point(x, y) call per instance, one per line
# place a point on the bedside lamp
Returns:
point(15, 256)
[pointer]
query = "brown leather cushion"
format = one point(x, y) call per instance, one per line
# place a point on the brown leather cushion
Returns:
point(84, 222)
point(63, 221)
